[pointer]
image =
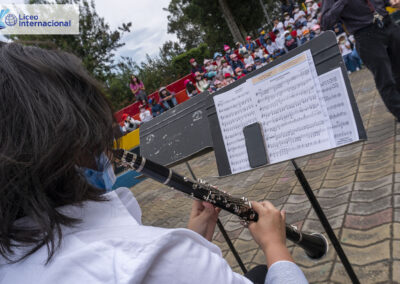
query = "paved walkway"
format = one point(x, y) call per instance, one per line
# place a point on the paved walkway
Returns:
point(358, 187)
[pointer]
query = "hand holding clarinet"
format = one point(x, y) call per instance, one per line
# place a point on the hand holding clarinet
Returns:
point(268, 232)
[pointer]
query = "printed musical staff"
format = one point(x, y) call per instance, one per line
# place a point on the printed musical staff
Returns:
point(236, 109)
point(339, 108)
point(290, 110)
point(300, 113)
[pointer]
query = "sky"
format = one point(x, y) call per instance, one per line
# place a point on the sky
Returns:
point(149, 24)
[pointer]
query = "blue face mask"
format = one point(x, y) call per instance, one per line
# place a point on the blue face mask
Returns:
point(104, 178)
point(288, 37)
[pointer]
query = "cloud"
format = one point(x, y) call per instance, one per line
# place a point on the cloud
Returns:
point(149, 25)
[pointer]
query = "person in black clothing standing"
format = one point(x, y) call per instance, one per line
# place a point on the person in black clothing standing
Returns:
point(287, 6)
point(377, 41)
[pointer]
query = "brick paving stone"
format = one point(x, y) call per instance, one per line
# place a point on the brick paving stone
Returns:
point(367, 274)
point(232, 225)
point(245, 256)
point(370, 221)
point(370, 185)
point(374, 167)
point(348, 152)
point(278, 194)
point(371, 176)
point(396, 271)
point(245, 235)
point(319, 272)
point(388, 158)
point(397, 215)
point(397, 201)
point(311, 225)
point(366, 237)
point(366, 255)
point(297, 198)
point(338, 182)
point(293, 208)
point(279, 201)
point(342, 173)
point(295, 217)
point(324, 164)
point(396, 250)
point(259, 257)
point(300, 256)
point(379, 145)
point(397, 177)
point(244, 246)
point(333, 201)
point(331, 212)
point(366, 208)
point(396, 230)
point(333, 192)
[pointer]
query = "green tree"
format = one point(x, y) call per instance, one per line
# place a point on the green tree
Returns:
point(95, 44)
point(197, 21)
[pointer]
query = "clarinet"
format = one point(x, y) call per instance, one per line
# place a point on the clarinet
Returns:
point(315, 245)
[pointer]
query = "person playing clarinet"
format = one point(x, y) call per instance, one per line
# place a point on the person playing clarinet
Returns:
point(58, 224)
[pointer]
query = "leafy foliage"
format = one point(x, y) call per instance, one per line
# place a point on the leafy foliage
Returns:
point(95, 44)
point(196, 21)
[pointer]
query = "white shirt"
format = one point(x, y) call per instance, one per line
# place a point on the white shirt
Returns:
point(344, 48)
point(271, 48)
point(280, 42)
point(311, 24)
point(145, 116)
point(279, 27)
point(299, 14)
point(313, 9)
point(227, 69)
point(111, 245)
point(249, 60)
point(260, 53)
point(289, 22)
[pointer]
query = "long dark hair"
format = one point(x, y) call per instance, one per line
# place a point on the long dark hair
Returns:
point(53, 118)
point(137, 80)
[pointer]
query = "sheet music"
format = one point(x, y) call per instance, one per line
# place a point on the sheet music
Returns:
point(339, 107)
point(236, 109)
point(291, 109)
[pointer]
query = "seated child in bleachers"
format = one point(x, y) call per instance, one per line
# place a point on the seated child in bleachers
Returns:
point(226, 68)
point(202, 83)
point(130, 124)
point(156, 108)
point(248, 60)
point(228, 79)
point(145, 114)
point(249, 68)
point(239, 73)
point(190, 88)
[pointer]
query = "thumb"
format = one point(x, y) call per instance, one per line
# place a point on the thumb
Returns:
point(283, 214)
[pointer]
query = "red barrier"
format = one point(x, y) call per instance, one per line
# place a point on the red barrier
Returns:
point(176, 87)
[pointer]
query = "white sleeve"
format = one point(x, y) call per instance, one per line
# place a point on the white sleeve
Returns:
point(285, 272)
point(186, 257)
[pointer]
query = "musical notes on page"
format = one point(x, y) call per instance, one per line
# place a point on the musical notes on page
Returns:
point(300, 112)
point(236, 109)
point(339, 108)
point(290, 108)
